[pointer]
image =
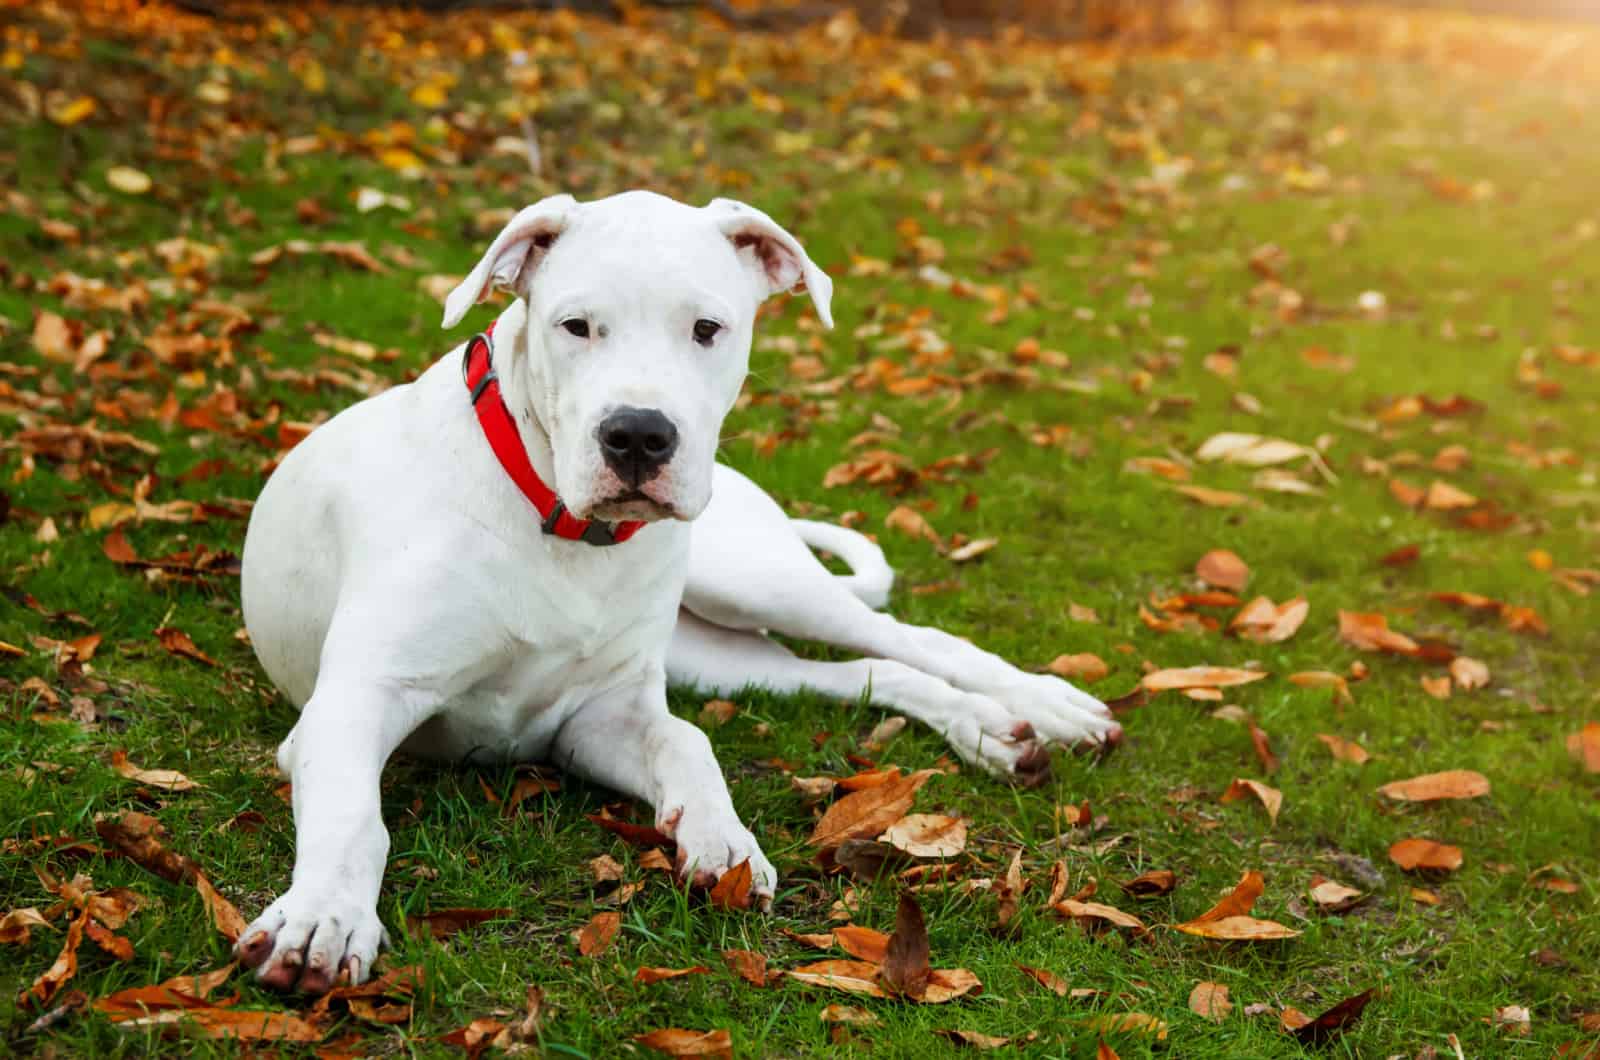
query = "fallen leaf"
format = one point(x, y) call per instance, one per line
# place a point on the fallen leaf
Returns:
point(975, 1040)
point(1425, 855)
point(1263, 748)
point(128, 180)
point(236, 1024)
point(1584, 745)
point(50, 981)
point(864, 814)
point(138, 837)
point(442, 923)
point(1199, 677)
point(180, 991)
point(649, 976)
point(928, 835)
point(165, 779)
point(1128, 1023)
point(972, 549)
point(16, 926)
point(1240, 928)
point(675, 1041)
point(1210, 1001)
point(905, 966)
point(227, 919)
point(847, 1014)
point(1324, 679)
point(1223, 569)
point(912, 523)
point(1336, 1019)
point(177, 642)
point(747, 965)
point(1152, 884)
point(598, 934)
point(1249, 450)
point(1264, 622)
point(1213, 498)
point(1084, 667)
point(718, 712)
point(1049, 980)
point(1344, 750)
point(637, 834)
point(1371, 632)
point(1469, 673)
point(1452, 784)
point(1443, 497)
point(1437, 687)
point(856, 977)
point(1513, 1019)
point(732, 891)
point(1271, 798)
point(1089, 912)
point(1331, 896)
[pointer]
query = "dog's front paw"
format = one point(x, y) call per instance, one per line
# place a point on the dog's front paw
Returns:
point(1062, 714)
point(710, 843)
point(305, 939)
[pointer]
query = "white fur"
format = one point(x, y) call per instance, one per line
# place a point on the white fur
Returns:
point(399, 590)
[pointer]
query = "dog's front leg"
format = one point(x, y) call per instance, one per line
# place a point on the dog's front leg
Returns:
point(627, 740)
point(328, 919)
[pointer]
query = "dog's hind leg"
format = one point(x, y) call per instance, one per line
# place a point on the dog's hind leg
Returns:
point(750, 570)
point(715, 659)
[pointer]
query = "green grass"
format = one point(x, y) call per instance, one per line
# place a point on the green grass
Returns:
point(997, 156)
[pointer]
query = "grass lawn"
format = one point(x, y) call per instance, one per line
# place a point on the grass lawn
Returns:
point(1069, 267)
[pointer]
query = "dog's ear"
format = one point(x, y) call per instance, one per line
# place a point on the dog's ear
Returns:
point(512, 256)
point(775, 255)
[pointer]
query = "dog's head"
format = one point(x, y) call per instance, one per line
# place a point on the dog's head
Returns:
point(639, 316)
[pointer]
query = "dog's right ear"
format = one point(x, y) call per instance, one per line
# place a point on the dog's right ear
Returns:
point(512, 256)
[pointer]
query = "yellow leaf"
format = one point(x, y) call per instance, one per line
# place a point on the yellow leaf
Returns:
point(128, 180)
point(73, 112)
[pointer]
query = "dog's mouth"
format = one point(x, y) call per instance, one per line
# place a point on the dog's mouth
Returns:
point(633, 504)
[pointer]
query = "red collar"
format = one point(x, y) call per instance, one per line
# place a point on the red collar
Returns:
point(483, 385)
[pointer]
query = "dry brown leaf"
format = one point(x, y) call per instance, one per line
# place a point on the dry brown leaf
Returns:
point(1152, 884)
point(1335, 1019)
point(50, 981)
point(1331, 896)
point(230, 1023)
point(596, 937)
point(1371, 632)
point(1105, 1052)
point(1267, 623)
point(1437, 687)
point(1443, 497)
point(1091, 912)
point(649, 976)
point(718, 712)
point(1515, 1020)
point(1324, 679)
point(732, 891)
point(442, 923)
point(855, 977)
point(1584, 745)
point(1451, 784)
point(1049, 980)
point(747, 965)
point(16, 926)
point(1083, 667)
point(905, 965)
point(181, 991)
point(1469, 673)
point(177, 642)
point(973, 549)
point(138, 837)
point(1210, 1001)
point(977, 1040)
point(847, 1014)
point(1344, 750)
point(1239, 928)
point(1199, 677)
point(1425, 855)
point(229, 922)
point(1223, 569)
point(912, 523)
point(928, 835)
point(864, 814)
point(1213, 498)
point(675, 1041)
point(1237, 902)
point(1271, 798)
point(165, 779)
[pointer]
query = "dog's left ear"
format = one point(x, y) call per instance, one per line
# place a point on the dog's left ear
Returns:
point(775, 254)
point(512, 256)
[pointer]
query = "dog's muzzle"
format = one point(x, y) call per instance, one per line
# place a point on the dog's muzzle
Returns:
point(637, 443)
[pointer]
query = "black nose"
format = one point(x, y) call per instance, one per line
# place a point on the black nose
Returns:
point(636, 442)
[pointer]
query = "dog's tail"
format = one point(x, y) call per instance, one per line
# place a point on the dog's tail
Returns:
point(871, 577)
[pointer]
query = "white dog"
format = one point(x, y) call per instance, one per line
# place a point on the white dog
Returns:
point(496, 562)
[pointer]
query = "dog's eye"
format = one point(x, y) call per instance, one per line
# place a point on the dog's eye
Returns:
point(705, 331)
point(577, 326)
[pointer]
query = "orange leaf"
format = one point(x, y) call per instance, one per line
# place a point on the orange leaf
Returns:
point(1271, 798)
point(1210, 1001)
point(442, 923)
point(1239, 928)
point(598, 934)
point(648, 976)
point(1584, 745)
point(165, 779)
point(855, 977)
point(862, 943)
point(177, 642)
point(1096, 911)
point(928, 835)
point(1085, 667)
point(1239, 901)
point(1452, 784)
point(1344, 750)
point(1324, 679)
point(230, 923)
point(1267, 623)
point(1371, 632)
point(1223, 570)
point(1199, 677)
point(747, 965)
point(674, 1041)
point(1425, 855)
point(1212, 498)
point(865, 814)
point(732, 890)
point(1049, 980)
